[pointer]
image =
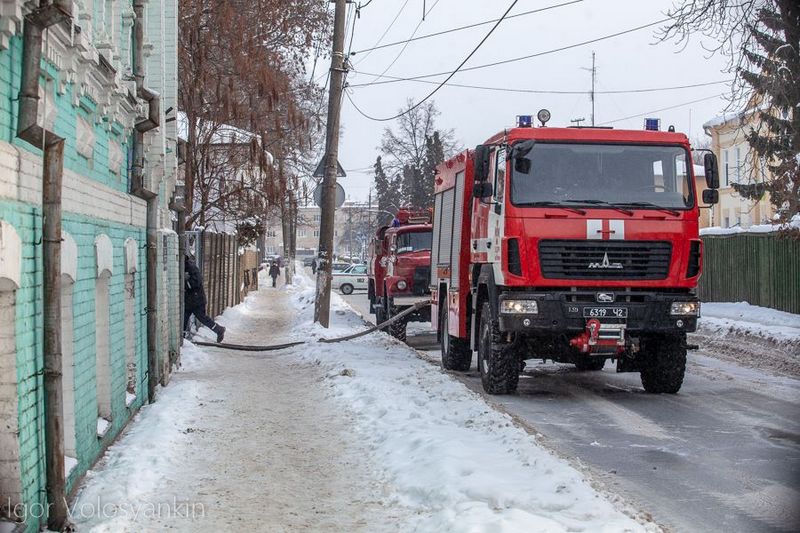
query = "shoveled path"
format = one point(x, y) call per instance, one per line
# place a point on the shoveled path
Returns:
point(247, 440)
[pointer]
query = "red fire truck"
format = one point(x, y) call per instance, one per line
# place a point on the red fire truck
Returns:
point(399, 269)
point(575, 245)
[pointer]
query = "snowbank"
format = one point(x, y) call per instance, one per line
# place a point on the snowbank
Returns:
point(794, 223)
point(751, 320)
point(461, 465)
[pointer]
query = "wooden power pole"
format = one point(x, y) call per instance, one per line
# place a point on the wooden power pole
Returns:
point(322, 303)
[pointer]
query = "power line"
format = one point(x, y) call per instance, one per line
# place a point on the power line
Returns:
point(442, 84)
point(544, 91)
point(468, 26)
point(662, 109)
point(521, 58)
point(406, 45)
point(389, 27)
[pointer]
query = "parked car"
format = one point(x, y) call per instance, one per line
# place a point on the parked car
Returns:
point(354, 277)
point(308, 260)
point(337, 268)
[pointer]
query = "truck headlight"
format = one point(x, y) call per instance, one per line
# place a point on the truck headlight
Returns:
point(685, 309)
point(402, 285)
point(519, 307)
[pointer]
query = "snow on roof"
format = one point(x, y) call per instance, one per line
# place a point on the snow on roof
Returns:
point(719, 120)
point(220, 133)
point(756, 228)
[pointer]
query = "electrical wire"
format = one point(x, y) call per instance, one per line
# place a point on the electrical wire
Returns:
point(386, 30)
point(661, 109)
point(425, 14)
point(442, 84)
point(520, 58)
point(468, 26)
point(545, 91)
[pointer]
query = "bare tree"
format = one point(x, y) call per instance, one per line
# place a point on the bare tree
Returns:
point(405, 150)
point(242, 64)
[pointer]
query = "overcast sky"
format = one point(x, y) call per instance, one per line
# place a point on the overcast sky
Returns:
point(631, 61)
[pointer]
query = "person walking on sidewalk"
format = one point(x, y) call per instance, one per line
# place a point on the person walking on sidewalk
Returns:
point(195, 300)
point(274, 272)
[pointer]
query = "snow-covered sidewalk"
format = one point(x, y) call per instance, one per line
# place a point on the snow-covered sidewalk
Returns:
point(238, 441)
point(354, 436)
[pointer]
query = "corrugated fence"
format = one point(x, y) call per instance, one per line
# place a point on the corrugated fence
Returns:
point(763, 269)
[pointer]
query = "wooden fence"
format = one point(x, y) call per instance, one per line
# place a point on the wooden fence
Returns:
point(227, 276)
point(763, 269)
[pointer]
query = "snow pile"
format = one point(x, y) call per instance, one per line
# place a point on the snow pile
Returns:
point(126, 480)
point(445, 453)
point(793, 224)
point(750, 320)
point(750, 335)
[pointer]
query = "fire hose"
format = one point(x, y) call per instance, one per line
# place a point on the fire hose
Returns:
point(252, 348)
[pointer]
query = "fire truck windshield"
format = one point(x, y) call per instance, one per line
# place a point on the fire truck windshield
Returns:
point(637, 176)
point(414, 241)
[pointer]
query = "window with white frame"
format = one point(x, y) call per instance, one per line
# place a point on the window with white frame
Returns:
point(301, 232)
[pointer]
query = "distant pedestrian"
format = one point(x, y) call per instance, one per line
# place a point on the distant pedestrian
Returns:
point(314, 266)
point(274, 272)
point(195, 300)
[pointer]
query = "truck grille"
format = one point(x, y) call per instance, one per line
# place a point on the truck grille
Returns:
point(422, 278)
point(605, 259)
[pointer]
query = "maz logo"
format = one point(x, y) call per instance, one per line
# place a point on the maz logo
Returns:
point(605, 297)
point(606, 264)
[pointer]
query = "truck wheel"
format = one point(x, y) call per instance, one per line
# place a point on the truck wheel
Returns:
point(591, 364)
point(498, 365)
point(665, 360)
point(397, 329)
point(346, 288)
point(456, 353)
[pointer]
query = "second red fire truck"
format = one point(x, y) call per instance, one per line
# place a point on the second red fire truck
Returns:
point(575, 245)
point(399, 269)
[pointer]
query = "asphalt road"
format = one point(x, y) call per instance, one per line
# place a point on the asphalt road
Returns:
point(721, 455)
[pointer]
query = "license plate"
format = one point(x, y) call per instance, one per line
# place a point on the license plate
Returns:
point(605, 312)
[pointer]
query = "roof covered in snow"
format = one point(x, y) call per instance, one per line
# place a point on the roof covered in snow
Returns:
point(756, 228)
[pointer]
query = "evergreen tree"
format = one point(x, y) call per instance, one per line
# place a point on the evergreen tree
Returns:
point(775, 70)
point(386, 193)
point(434, 156)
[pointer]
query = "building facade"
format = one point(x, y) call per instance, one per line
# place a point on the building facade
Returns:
point(353, 226)
point(88, 97)
point(737, 164)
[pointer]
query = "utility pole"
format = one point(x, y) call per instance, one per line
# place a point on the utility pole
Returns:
point(593, 70)
point(594, 75)
point(322, 303)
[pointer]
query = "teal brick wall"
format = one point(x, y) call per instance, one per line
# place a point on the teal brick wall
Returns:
point(27, 221)
point(65, 125)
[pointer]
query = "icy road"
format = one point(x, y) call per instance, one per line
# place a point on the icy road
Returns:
point(721, 455)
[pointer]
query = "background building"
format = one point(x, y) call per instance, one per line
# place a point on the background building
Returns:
point(737, 164)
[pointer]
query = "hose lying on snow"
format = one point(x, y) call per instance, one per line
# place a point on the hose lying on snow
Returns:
point(248, 348)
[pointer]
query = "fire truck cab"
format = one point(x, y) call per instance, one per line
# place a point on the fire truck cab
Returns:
point(575, 245)
point(399, 269)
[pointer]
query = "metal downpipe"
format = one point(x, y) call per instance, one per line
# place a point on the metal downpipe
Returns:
point(30, 131)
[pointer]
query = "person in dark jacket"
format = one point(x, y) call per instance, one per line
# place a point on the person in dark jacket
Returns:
point(274, 272)
point(314, 266)
point(195, 300)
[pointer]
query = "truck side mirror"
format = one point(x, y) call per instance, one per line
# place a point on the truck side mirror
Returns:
point(482, 189)
point(481, 166)
point(712, 171)
point(710, 196)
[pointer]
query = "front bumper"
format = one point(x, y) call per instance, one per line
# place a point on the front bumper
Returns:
point(408, 301)
point(563, 311)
